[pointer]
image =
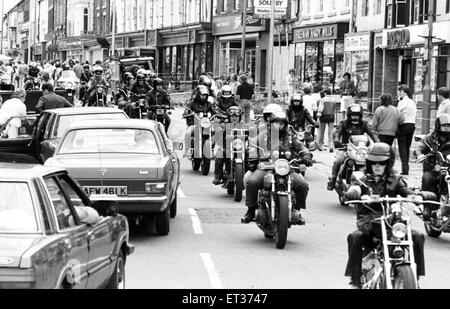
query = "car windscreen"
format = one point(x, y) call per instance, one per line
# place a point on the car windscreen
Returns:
point(88, 141)
point(17, 214)
point(68, 75)
point(64, 122)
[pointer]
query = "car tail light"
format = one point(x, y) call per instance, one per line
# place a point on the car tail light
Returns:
point(152, 188)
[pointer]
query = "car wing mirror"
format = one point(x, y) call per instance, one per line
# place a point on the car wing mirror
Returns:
point(106, 205)
point(178, 145)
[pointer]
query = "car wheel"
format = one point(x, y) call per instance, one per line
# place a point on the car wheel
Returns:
point(117, 280)
point(162, 221)
point(173, 208)
point(146, 224)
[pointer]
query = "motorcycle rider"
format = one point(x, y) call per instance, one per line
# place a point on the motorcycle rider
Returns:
point(33, 73)
point(159, 96)
point(382, 181)
point(226, 100)
point(98, 79)
point(435, 140)
point(199, 104)
point(353, 125)
point(98, 98)
point(125, 90)
point(234, 117)
point(298, 114)
point(278, 138)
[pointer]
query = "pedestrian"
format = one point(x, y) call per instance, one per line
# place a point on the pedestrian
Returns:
point(316, 95)
point(245, 94)
point(50, 100)
point(234, 83)
point(23, 73)
point(326, 115)
point(307, 83)
point(78, 69)
point(291, 82)
point(14, 107)
point(347, 90)
point(408, 109)
point(444, 100)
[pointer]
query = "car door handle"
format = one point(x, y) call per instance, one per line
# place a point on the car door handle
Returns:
point(68, 244)
point(91, 236)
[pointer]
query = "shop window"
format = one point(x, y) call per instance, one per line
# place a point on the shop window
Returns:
point(402, 13)
point(447, 6)
point(390, 14)
point(365, 8)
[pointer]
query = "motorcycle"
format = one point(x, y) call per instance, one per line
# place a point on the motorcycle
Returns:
point(6, 83)
point(276, 213)
point(307, 139)
point(357, 151)
point(440, 213)
point(390, 264)
point(201, 149)
point(139, 111)
point(234, 176)
point(33, 84)
point(159, 114)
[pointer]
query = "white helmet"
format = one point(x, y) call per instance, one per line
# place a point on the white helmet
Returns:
point(141, 71)
point(270, 111)
point(226, 91)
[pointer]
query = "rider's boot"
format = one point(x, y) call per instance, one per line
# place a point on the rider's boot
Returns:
point(331, 183)
point(249, 216)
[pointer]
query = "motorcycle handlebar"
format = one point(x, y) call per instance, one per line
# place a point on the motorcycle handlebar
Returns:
point(390, 200)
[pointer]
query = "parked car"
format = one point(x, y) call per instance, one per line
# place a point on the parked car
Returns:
point(69, 82)
point(129, 158)
point(48, 129)
point(46, 239)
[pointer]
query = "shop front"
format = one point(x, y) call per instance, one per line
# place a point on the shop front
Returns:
point(184, 53)
point(319, 53)
point(70, 49)
point(227, 32)
point(357, 60)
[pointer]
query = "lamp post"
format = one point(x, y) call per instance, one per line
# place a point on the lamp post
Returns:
point(1, 43)
point(244, 30)
point(271, 44)
point(113, 48)
point(427, 88)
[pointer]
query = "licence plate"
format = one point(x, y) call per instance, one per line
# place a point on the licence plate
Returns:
point(159, 111)
point(119, 191)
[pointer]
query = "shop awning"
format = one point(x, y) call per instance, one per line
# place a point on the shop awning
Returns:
point(238, 37)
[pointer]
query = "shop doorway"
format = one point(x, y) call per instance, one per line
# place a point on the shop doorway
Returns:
point(406, 72)
point(314, 61)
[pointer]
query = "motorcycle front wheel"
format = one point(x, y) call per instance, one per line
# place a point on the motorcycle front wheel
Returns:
point(282, 224)
point(238, 182)
point(404, 278)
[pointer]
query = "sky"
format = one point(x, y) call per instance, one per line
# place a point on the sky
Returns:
point(9, 4)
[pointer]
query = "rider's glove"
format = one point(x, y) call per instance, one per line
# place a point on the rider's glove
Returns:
point(337, 144)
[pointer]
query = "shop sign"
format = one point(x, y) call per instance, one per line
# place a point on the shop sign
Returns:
point(263, 8)
point(398, 39)
point(320, 33)
point(152, 37)
point(233, 24)
point(357, 42)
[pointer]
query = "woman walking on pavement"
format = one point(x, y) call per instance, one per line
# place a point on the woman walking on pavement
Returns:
point(408, 109)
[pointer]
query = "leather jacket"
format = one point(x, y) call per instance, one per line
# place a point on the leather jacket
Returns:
point(298, 117)
point(198, 106)
point(436, 144)
point(347, 129)
point(158, 98)
point(223, 104)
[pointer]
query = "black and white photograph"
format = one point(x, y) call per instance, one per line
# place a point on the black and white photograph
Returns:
point(225, 150)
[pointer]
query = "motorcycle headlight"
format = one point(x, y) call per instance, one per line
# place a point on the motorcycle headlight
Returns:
point(69, 84)
point(399, 231)
point(238, 144)
point(205, 123)
point(361, 154)
point(301, 136)
point(282, 168)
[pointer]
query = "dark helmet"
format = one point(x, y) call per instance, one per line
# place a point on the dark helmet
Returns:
point(354, 110)
point(158, 82)
point(205, 81)
point(202, 90)
point(270, 110)
point(140, 77)
point(379, 152)
point(443, 125)
point(234, 110)
point(86, 66)
point(66, 67)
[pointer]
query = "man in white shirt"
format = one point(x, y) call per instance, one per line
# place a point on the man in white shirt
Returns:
point(309, 102)
point(444, 100)
point(13, 107)
point(408, 109)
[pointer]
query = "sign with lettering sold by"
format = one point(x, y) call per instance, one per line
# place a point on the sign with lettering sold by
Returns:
point(263, 8)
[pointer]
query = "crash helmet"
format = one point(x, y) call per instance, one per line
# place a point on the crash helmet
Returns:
point(128, 76)
point(226, 92)
point(234, 111)
point(98, 70)
point(270, 110)
point(379, 153)
point(296, 97)
point(158, 82)
point(202, 90)
point(140, 71)
point(443, 125)
point(140, 77)
point(280, 117)
point(354, 110)
point(86, 67)
point(205, 81)
point(33, 65)
point(66, 67)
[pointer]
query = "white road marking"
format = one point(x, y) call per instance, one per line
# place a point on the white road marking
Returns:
point(211, 269)
point(196, 224)
point(181, 193)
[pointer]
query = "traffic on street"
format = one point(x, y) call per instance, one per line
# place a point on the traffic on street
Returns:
point(218, 162)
